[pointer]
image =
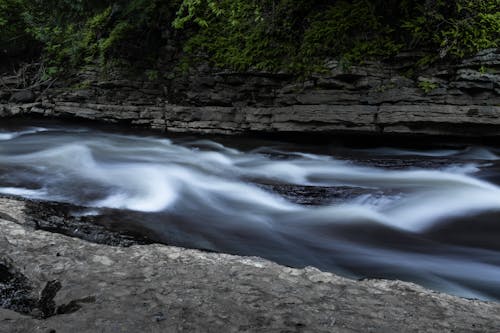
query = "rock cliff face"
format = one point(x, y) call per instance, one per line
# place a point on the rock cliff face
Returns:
point(375, 98)
point(54, 283)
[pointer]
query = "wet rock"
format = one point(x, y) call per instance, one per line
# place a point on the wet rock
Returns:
point(72, 221)
point(15, 290)
point(76, 285)
point(315, 195)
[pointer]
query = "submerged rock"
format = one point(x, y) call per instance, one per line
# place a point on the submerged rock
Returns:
point(79, 286)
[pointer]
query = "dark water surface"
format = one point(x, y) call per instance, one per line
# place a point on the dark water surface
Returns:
point(431, 216)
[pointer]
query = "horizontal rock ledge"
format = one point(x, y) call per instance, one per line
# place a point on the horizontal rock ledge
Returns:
point(421, 119)
point(461, 99)
point(87, 287)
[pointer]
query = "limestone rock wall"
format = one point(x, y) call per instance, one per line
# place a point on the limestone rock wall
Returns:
point(374, 98)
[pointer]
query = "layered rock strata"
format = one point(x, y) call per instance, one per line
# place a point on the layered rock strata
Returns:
point(374, 98)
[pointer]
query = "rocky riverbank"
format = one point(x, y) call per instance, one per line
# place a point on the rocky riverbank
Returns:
point(53, 283)
point(374, 98)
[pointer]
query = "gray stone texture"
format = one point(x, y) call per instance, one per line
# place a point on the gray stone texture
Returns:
point(76, 286)
point(374, 98)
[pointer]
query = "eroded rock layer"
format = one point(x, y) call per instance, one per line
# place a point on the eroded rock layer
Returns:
point(374, 98)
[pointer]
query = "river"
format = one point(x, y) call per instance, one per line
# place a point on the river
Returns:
point(428, 215)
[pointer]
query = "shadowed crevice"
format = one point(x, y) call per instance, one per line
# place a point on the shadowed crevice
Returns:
point(16, 294)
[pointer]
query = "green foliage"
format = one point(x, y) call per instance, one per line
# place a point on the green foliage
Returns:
point(427, 86)
point(77, 32)
point(82, 85)
point(196, 10)
point(14, 40)
point(152, 74)
point(454, 28)
point(242, 34)
point(299, 35)
point(59, 26)
point(272, 35)
point(486, 70)
point(352, 30)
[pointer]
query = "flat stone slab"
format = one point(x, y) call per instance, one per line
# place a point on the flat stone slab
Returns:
point(77, 286)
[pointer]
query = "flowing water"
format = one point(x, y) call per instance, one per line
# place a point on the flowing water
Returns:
point(430, 216)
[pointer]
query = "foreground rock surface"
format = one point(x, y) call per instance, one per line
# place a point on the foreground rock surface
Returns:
point(67, 285)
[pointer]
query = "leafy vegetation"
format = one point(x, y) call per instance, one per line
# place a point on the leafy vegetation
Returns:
point(427, 86)
point(352, 30)
point(454, 28)
point(14, 39)
point(291, 35)
point(73, 33)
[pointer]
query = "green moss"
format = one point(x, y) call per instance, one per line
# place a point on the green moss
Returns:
point(427, 86)
point(152, 75)
point(386, 87)
point(82, 85)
